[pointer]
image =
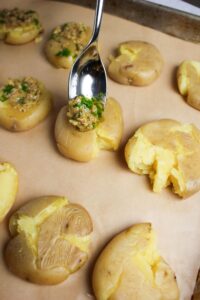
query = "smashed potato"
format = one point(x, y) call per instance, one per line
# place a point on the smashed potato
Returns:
point(19, 26)
point(137, 63)
point(130, 268)
point(83, 146)
point(50, 240)
point(169, 152)
point(188, 77)
point(23, 104)
point(66, 42)
point(8, 188)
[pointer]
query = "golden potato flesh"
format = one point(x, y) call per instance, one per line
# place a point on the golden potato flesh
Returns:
point(137, 63)
point(169, 152)
point(23, 104)
point(131, 268)
point(188, 77)
point(8, 188)
point(66, 42)
point(83, 146)
point(19, 26)
point(50, 240)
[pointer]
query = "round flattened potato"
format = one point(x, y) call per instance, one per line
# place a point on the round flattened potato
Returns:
point(137, 63)
point(169, 152)
point(84, 146)
point(23, 104)
point(19, 26)
point(130, 267)
point(50, 240)
point(66, 42)
point(188, 78)
point(8, 188)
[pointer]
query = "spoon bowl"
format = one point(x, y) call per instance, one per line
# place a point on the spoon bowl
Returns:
point(88, 76)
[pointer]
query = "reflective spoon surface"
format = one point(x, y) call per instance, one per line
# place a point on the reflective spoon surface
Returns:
point(88, 76)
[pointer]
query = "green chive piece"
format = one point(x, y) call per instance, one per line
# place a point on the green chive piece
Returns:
point(24, 87)
point(3, 98)
point(8, 89)
point(64, 53)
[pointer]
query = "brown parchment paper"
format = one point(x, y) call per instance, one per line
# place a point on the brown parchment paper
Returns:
point(115, 197)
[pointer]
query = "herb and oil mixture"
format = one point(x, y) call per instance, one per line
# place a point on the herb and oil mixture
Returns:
point(12, 18)
point(85, 113)
point(21, 94)
point(71, 37)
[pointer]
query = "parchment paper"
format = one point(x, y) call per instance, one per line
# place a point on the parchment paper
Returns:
point(115, 197)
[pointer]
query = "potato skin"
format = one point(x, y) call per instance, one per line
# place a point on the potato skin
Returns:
point(188, 80)
point(40, 254)
point(138, 63)
point(169, 152)
point(18, 38)
point(124, 268)
point(8, 188)
point(16, 121)
point(84, 146)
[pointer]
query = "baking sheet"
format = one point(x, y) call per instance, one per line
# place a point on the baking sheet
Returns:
point(115, 197)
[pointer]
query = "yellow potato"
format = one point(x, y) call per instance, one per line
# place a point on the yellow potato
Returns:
point(66, 42)
point(83, 146)
point(130, 268)
point(50, 240)
point(137, 63)
point(22, 110)
point(19, 26)
point(8, 188)
point(169, 152)
point(188, 78)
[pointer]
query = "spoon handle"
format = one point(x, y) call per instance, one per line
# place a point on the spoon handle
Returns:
point(97, 20)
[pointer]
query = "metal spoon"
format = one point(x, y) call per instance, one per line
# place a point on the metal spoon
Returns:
point(88, 76)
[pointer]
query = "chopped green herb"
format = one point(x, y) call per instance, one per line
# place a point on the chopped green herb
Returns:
point(8, 89)
point(100, 96)
point(3, 98)
point(87, 102)
point(77, 105)
point(65, 52)
point(24, 87)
